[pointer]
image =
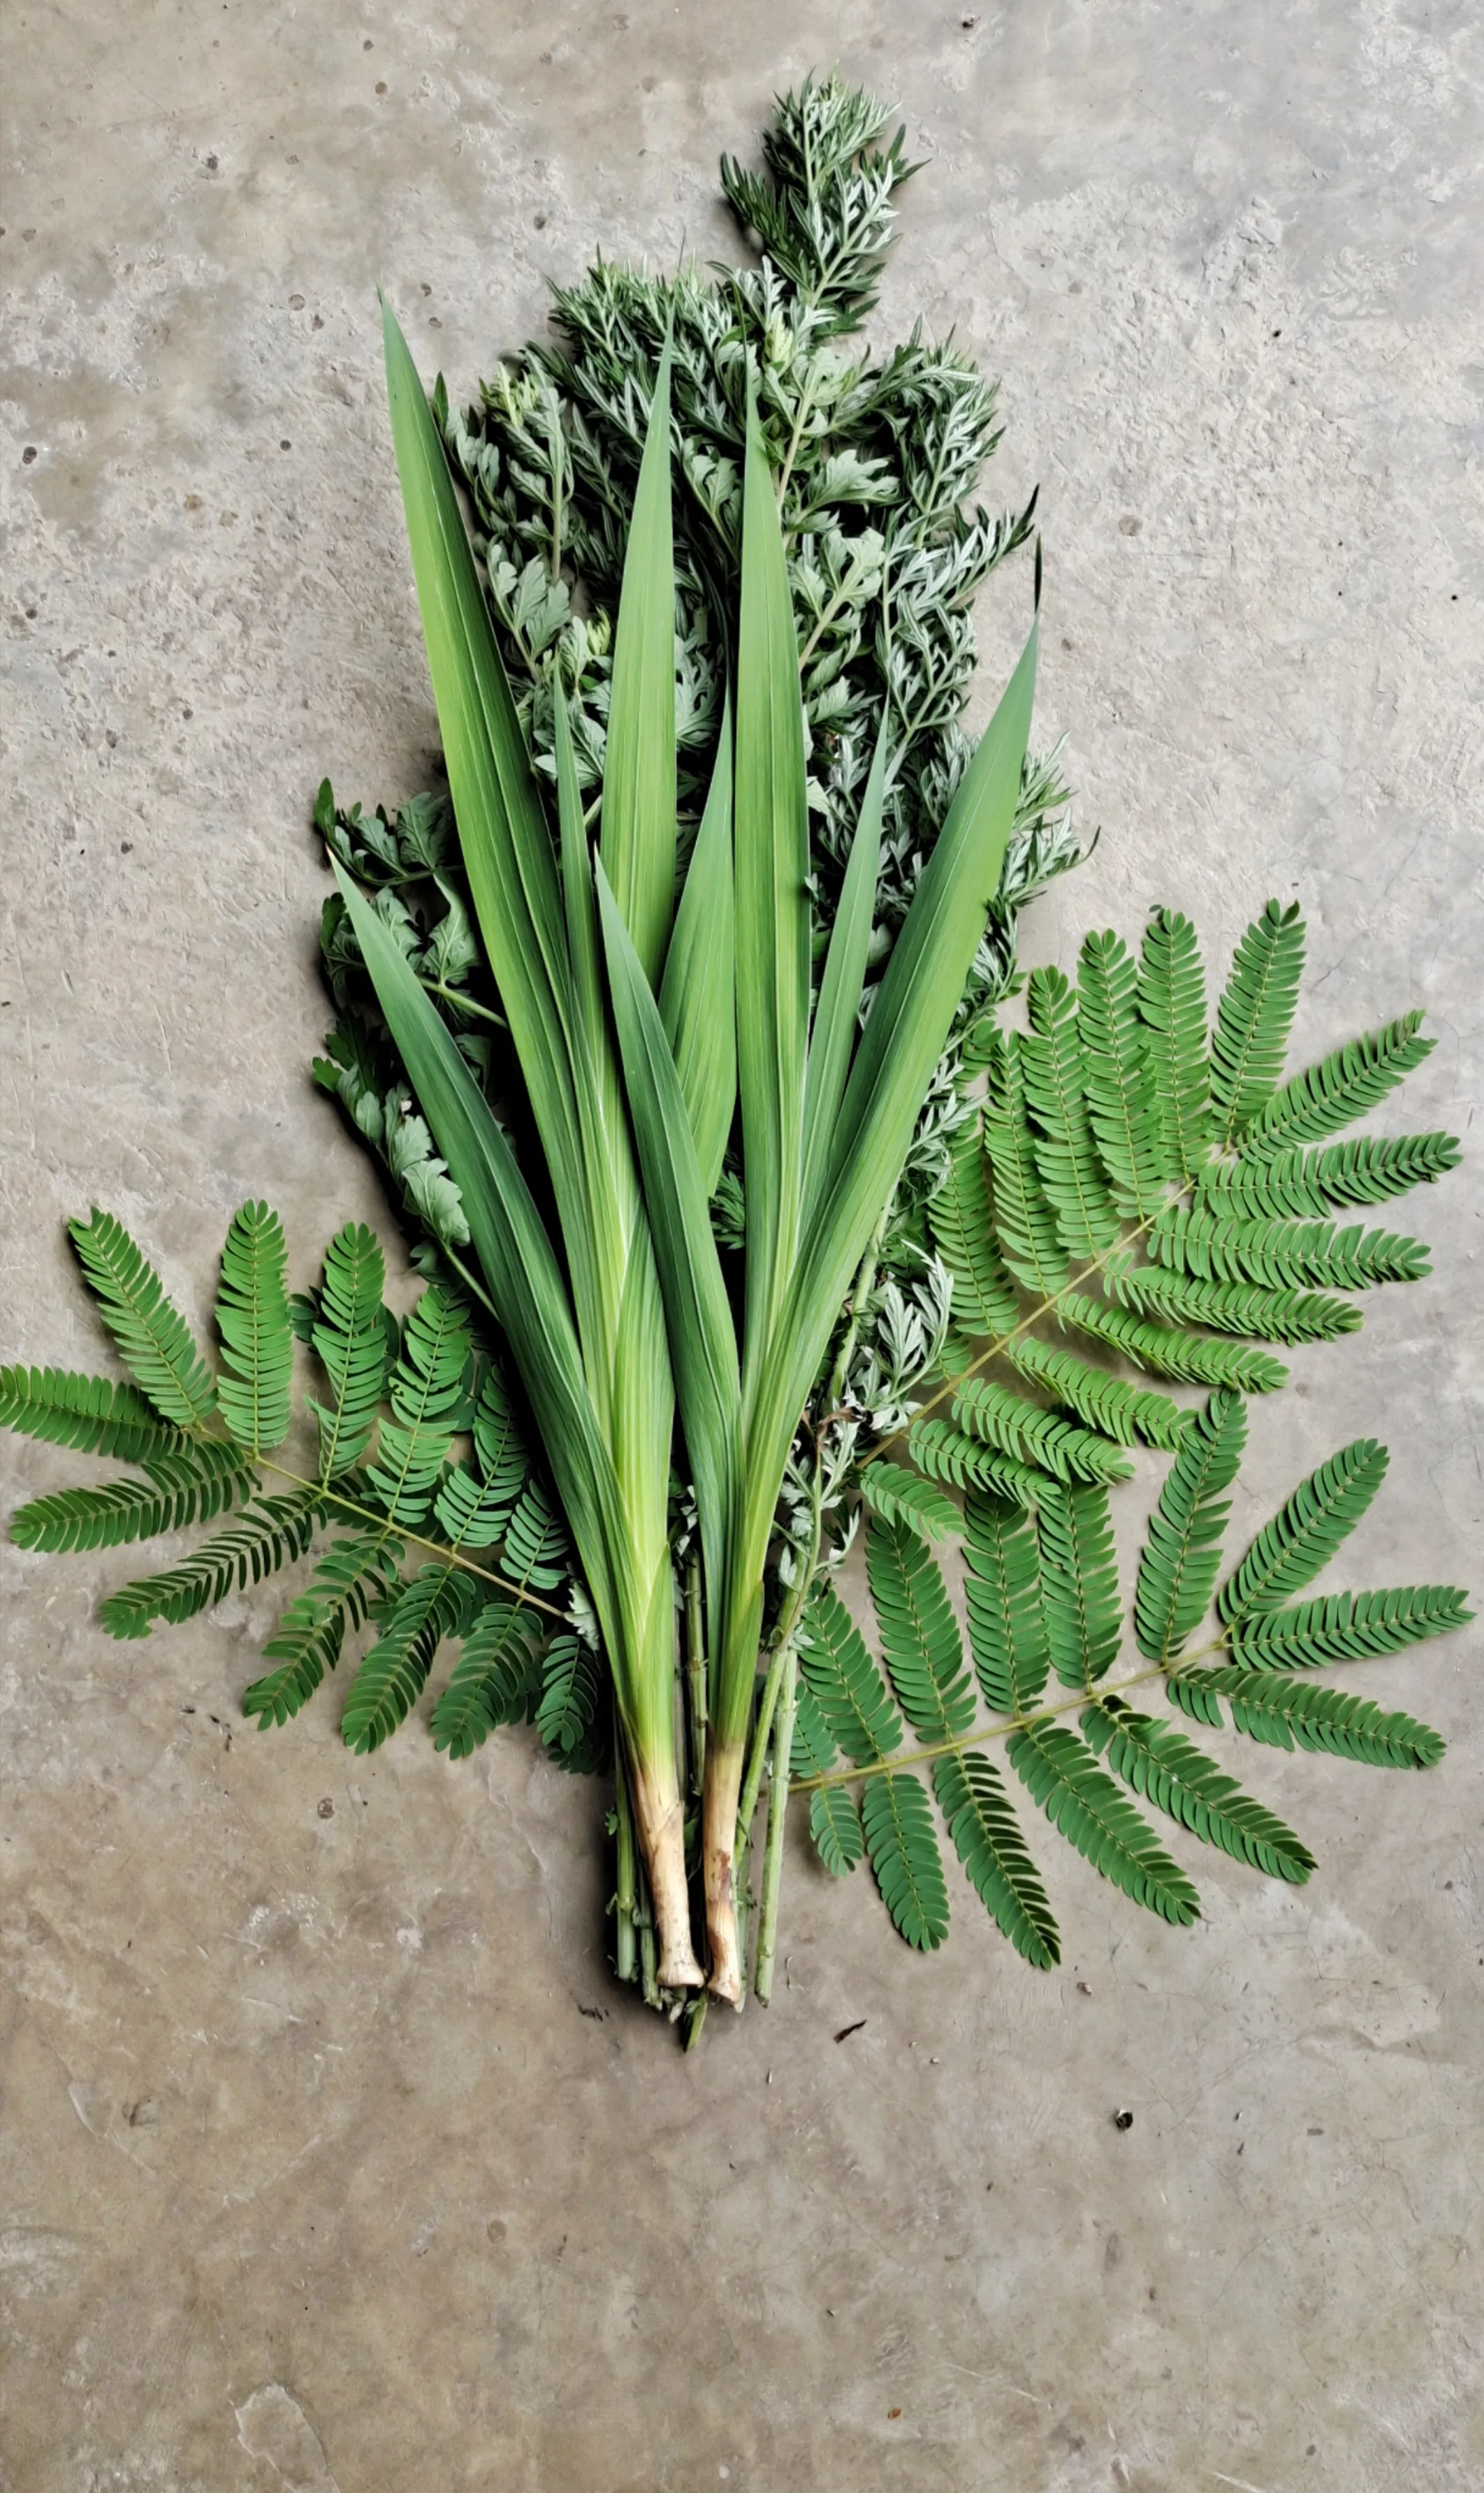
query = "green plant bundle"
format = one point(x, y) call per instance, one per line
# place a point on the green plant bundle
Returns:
point(875, 461)
point(437, 1527)
point(787, 1234)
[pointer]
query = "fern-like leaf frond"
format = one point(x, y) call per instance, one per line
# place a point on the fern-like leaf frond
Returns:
point(492, 1682)
point(350, 1339)
point(834, 1815)
point(834, 1826)
point(1034, 1436)
point(1239, 1307)
point(1163, 1766)
point(568, 1715)
point(962, 1227)
point(272, 1531)
point(986, 1837)
point(1006, 1622)
point(352, 1576)
point(434, 1603)
point(1298, 1185)
point(1355, 1079)
point(1121, 1099)
point(946, 1453)
point(1055, 1073)
point(90, 1414)
point(428, 1391)
point(537, 1549)
point(1079, 1584)
point(157, 1346)
point(900, 1496)
point(1254, 1019)
point(1182, 1553)
point(1322, 1512)
point(1348, 1627)
point(1287, 1713)
point(1024, 1223)
point(1130, 1414)
point(177, 1491)
point(902, 1848)
point(257, 1386)
point(1284, 1254)
point(1086, 1805)
point(1166, 1351)
point(1171, 995)
point(919, 1640)
point(846, 1683)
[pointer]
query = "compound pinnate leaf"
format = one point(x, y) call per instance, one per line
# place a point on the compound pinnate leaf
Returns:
point(156, 1341)
point(256, 1389)
point(1182, 1552)
point(902, 1848)
point(1163, 1766)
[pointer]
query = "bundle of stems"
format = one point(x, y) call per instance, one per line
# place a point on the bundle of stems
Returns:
point(621, 1011)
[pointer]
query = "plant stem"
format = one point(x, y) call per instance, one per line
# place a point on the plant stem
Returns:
point(780, 1689)
point(778, 1816)
point(466, 1004)
point(624, 1901)
point(695, 1669)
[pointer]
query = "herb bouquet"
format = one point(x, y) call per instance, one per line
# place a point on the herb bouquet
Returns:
point(745, 1219)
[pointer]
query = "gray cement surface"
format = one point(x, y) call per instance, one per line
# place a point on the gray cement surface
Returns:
point(331, 2157)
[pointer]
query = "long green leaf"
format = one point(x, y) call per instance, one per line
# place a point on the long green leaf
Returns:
point(698, 995)
point(773, 909)
point(638, 818)
point(703, 1345)
point(515, 1253)
point(506, 847)
point(832, 1039)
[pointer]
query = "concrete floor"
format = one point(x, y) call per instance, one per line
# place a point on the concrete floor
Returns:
point(331, 2157)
